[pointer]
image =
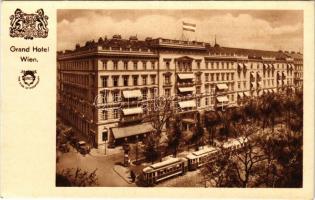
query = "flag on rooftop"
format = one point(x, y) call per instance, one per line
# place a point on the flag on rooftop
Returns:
point(189, 27)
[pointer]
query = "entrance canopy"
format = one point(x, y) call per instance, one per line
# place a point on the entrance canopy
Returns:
point(122, 132)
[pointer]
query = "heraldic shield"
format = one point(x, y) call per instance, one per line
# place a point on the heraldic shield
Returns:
point(29, 26)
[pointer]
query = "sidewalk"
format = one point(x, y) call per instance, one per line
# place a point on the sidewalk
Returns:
point(123, 172)
point(100, 151)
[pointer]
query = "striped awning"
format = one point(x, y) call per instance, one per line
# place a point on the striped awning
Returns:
point(132, 111)
point(222, 99)
point(187, 104)
point(222, 86)
point(240, 66)
point(132, 94)
point(185, 76)
point(186, 89)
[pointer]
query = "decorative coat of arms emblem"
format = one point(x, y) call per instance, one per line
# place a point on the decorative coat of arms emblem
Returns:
point(28, 79)
point(29, 26)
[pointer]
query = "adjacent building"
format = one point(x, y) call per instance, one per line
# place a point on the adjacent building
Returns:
point(107, 88)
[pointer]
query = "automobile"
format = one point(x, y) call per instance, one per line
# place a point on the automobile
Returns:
point(83, 147)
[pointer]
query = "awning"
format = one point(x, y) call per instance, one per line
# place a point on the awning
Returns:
point(260, 84)
point(132, 111)
point(253, 84)
point(240, 94)
point(274, 90)
point(246, 94)
point(270, 65)
point(260, 93)
point(187, 104)
point(279, 82)
point(132, 94)
point(186, 76)
point(222, 99)
point(240, 66)
point(246, 65)
point(186, 89)
point(222, 86)
point(121, 132)
point(270, 90)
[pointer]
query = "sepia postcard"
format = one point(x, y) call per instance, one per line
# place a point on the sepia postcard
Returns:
point(157, 99)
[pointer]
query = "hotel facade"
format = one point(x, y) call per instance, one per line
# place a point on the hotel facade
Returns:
point(106, 89)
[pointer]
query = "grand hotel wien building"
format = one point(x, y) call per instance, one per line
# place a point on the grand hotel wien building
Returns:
point(106, 89)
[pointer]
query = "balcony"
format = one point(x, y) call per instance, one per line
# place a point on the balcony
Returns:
point(185, 84)
point(133, 118)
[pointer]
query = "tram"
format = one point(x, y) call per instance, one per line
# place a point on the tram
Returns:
point(164, 170)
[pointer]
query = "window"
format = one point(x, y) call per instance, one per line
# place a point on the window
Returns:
point(115, 65)
point(104, 97)
point(104, 81)
point(135, 80)
point(144, 64)
point(244, 83)
point(115, 97)
point(167, 92)
point(232, 97)
point(232, 76)
point(212, 77)
point(198, 90)
point(135, 65)
point(167, 65)
point(144, 93)
point(104, 135)
point(222, 76)
point(207, 101)
point(126, 65)
point(211, 65)
point(227, 76)
point(167, 80)
point(232, 87)
point(239, 85)
point(207, 65)
point(153, 80)
point(198, 65)
point(207, 77)
point(207, 89)
point(104, 114)
point(115, 113)
point(104, 64)
point(126, 78)
point(198, 102)
point(218, 77)
point(115, 81)
point(198, 78)
point(144, 80)
point(153, 64)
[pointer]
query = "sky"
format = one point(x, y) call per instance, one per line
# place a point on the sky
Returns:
point(253, 29)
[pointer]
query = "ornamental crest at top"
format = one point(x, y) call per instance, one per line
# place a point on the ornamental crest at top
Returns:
point(29, 26)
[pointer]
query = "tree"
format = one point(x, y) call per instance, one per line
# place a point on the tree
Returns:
point(246, 162)
point(151, 148)
point(219, 173)
point(211, 123)
point(79, 177)
point(175, 136)
point(198, 132)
